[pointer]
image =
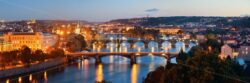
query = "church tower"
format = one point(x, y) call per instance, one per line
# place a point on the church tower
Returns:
point(78, 29)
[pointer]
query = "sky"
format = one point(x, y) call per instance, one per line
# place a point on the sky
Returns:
point(105, 10)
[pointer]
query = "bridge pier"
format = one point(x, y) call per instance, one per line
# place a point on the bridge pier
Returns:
point(168, 59)
point(133, 59)
point(98, 60)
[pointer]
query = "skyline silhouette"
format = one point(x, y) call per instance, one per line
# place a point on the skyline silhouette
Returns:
point(99, 11)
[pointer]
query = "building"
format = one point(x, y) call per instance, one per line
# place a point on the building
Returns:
point(229, 50)
point(34, 40)
point(229, 41)
point(187, 36)
point(244, 51)
point(169, 30)
point(5, 46)
point(200, 37)
point(48, 40)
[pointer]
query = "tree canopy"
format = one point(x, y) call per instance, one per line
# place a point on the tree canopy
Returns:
point(75, 43)
point(200, 65)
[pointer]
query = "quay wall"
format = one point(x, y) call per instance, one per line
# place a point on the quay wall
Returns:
point(32, 68)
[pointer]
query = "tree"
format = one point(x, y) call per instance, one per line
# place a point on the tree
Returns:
point(38, 55)
point(182, 56)
point(76, 43)
point(202, 66)
point(180, 32)
point(25, 55)
point(56, 53)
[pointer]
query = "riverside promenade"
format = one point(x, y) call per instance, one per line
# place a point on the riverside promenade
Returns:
point(32, 68)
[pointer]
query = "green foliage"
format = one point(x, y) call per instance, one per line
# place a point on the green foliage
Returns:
point(39, 55)
point(180, 32)
point(76, 43)
point(140, 32)
point(56, 53)
point(176, 20)
point(82, 40)
point(26, 56)
point(202, 66)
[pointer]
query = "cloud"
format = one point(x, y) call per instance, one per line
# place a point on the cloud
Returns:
point(152, 10)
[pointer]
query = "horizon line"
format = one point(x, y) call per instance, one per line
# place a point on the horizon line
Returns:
point(41, 19)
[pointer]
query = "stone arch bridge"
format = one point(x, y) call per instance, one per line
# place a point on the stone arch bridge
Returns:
point(131, 55)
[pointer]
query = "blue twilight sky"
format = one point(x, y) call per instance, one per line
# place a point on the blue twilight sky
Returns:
point(104, 10)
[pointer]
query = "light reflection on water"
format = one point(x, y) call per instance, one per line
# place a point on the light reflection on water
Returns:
point(45, 76)
point(99, 73)
point(134, 72)
point(30, 77)
point(85, 67)
point(115, 69)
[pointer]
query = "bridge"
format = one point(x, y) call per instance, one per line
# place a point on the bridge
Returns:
point(131, 55)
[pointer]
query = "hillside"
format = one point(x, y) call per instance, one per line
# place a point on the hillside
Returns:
point(180, 20)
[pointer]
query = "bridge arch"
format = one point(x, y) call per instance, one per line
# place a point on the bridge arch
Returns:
point(124, 46)
point(153, 46)
point(166, 45)
point(179, 45)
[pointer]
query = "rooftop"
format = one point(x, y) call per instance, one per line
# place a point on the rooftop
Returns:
point(24, 33)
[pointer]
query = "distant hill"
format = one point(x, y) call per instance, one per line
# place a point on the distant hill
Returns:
point(64, 21)
point(54, 21)
point(179, 20)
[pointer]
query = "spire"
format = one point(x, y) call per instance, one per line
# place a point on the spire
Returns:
point(78, 30)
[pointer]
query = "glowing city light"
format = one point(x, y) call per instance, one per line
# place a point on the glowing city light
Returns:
point(99, 73)
point(30, 77)
point(19, 79)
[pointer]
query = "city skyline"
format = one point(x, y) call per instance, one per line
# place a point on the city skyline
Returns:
point(124, 41)
point(100, 11)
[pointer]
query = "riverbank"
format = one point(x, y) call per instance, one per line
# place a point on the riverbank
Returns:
point(33, 68)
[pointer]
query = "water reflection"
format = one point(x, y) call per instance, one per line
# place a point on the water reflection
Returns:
point(45, 76)
point(30, 77)
point(111, 46)
point(86, 67)
point(99, 73)
point(124, 46)
point(134, 72)
point(116, 69)
point(166, 46)
point(19, 79)
point(119, 71)
point(180, 45)
point(153, 46)
point(79, 66)
point(7, 81)
point(111, 59)
point(139, 46)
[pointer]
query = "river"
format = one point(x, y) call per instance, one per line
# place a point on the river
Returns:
point(115, 69)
